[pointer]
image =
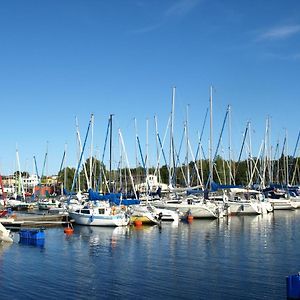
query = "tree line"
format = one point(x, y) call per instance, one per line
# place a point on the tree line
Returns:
point(245, 172)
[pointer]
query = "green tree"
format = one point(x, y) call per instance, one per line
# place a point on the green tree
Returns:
point(69, 177)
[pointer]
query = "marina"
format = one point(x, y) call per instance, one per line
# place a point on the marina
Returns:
point(202, 259)
point(150, 150)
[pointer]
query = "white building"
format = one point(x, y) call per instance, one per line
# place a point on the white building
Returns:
point(30, 182)
point(153, 184)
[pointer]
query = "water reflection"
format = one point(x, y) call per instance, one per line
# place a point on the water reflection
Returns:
point(4, 247)
point(234, 257)
point(100, 238)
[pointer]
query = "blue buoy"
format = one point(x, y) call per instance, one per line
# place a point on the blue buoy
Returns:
point(293, 286)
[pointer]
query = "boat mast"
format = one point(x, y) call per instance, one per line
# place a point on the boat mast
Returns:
point(137, 178)
point(65, 168)
point(127, 161)
point(269, 151)
point(91, 155)
point(80, 149)
point(44, 164)
point(286, 161)
point(283, 167)
point(211, 177)
point(79, 162)
point(61, 166)
point(276, 154)
point(147, 157)
point(110, 152)
point(250, 154)
point(187, 148)
point(296, 162)
point(120, 168)
point(172, 150)
point(157, 150)
point(229, 145)
point(20, 174)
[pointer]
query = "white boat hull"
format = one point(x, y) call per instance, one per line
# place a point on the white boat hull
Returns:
point(99, 220)
point(282, 204)
point(198, 210)
point(244, 208)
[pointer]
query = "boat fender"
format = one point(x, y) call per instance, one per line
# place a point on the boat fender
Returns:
point(92, 218)
point(113, 209)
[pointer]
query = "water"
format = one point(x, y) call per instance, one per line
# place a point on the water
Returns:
point(232, 258)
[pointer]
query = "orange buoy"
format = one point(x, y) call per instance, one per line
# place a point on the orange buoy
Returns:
point(69, 229)
point(190, 218)
point(138, 223)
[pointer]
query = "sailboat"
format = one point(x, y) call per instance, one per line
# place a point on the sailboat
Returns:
point(194, 204)
point(5, 234)
point(101, 213)
point(97, 213)
point(278, 194)
point(146, 212)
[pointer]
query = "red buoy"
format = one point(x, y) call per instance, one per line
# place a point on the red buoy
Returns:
point(190, 218)
point(69, 229)
point(138, 223)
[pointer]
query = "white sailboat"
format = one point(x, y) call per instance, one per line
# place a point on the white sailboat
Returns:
point(5, 234)
point(100, 214)
point(197, 206)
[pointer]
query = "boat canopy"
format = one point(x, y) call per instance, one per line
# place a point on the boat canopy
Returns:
point(114, 198)
point(215, 186)
point(67, 193)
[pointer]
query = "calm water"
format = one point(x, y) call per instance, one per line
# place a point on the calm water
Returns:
point(233, 258)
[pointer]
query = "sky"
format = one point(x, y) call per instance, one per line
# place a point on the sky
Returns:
point(67, 59)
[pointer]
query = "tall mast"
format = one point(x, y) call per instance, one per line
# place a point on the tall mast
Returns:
point(127, 161)
point(79, 162)
point(80, 148)
point(157, 149)
point(265, 154)
point(136, 152)
point(20, 175)
point(250, 152)
point(147, 148)
point(65, 168)
point(211, 139)
point(187, 147)
point(110, 151)
point(229, 146)
point(172, 150)
point(91, 155)
point(44, 164)
point(286, 160)
point(269, 152)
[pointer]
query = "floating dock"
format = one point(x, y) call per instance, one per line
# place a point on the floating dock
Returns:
point(35, 220)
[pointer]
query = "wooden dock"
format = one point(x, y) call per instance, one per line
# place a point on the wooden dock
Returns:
point(35, 220)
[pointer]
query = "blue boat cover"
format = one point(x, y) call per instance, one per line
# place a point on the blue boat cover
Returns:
point(112, 198)
point(215, 186)
point(66, 192)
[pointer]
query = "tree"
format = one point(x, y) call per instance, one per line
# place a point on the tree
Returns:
point(69, 177)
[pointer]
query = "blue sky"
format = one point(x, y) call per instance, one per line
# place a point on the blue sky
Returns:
point(63, 59)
